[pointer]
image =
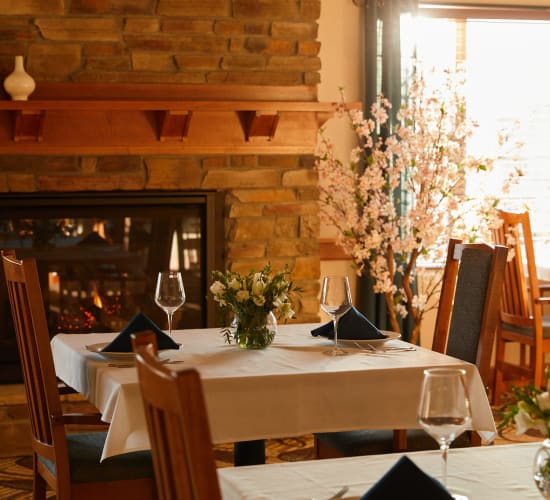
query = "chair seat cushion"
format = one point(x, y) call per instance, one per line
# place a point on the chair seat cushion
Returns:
point(374, 442)
point(84, 458)
point(527, 330)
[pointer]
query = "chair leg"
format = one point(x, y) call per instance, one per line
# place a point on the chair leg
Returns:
point(39, 485)
point(524, 360)
point(400, 440)
point(498, 386)
point(475, 438)
point(539, 368)
point(323, 450)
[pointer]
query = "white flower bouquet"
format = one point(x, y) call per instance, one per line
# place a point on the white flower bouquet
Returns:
point(531, 411)
point(252, 298)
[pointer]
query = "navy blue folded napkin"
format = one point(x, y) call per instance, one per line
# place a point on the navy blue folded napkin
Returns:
point(406, 480)
point(352, 326)
point(140, 322)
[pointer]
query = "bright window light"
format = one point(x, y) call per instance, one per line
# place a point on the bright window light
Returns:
point(508, 81)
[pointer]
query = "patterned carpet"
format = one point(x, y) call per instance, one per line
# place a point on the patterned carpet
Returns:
point(16, 472)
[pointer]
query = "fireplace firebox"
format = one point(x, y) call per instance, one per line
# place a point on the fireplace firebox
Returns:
point(98, 255)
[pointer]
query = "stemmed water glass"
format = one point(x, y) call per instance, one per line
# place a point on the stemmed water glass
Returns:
point(335, 301)
point(444, 410)
point(169, 294)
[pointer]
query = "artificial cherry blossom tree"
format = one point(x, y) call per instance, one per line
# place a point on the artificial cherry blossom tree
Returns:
point(425, 152)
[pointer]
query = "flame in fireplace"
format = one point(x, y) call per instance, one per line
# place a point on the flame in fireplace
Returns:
point(96, 297)
point(99, 228)
point(81, 321)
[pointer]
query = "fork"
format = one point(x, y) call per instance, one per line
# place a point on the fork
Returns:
point(392, 348)
point(339, 494)
point(373, 350)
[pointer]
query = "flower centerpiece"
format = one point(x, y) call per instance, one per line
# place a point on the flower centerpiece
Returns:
point(401, 195)
point(256, 299)
point(531, 411)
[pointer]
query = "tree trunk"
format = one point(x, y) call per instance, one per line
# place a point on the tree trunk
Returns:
point(391, 313)
point(415, 334)
point(415, 315)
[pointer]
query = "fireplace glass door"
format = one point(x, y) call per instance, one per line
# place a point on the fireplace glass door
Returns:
point(98, 256)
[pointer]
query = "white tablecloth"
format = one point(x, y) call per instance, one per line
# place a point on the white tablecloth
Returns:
point(502, 472)
point(288, 389)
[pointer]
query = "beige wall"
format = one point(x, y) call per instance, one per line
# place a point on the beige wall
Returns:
point(341, 53)
point(340, 33)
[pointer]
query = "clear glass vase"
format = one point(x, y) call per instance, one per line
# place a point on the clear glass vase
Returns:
point(255, 331)
point(541, 469)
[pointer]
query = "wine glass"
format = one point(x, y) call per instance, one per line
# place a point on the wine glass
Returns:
point(169, 294)
point(335, 301)
point(444, 409)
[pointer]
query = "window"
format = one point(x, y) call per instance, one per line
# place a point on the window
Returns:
point(508, 80)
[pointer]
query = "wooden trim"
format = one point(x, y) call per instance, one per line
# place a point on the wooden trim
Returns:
point(468, 11)
point(171, 92)
point(158, 105)
point(329, 250)
point(73, 118)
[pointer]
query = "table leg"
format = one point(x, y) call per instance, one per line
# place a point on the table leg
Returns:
point(249, 452)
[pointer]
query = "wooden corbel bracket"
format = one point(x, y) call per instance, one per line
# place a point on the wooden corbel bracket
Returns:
point(174, 125)
point(28, 125)
point(259, 123)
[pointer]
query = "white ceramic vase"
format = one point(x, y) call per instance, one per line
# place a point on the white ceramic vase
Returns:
point(19, 84)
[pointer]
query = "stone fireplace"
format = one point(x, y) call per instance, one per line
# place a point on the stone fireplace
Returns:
point(268, 183)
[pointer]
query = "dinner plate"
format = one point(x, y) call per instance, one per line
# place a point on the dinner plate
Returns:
point(97, 348)
point(390, 336)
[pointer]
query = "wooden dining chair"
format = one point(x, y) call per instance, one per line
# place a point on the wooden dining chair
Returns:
point(522, 320)
point(145, 337)
point(178, 427)
point(68, 463)
point(465, 327)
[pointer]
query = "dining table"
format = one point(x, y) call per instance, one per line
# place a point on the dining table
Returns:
point(290, 388)
point(500, 472)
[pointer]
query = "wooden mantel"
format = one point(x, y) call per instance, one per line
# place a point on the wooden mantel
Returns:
point(115, 119)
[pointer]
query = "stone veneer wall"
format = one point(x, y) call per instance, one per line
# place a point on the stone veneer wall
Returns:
point(272, 210)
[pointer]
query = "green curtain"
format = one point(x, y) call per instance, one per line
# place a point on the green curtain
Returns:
point(384, 67)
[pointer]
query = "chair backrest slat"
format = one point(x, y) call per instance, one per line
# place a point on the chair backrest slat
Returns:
point(446, 298)
point(521, 285)
point(37, 365)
